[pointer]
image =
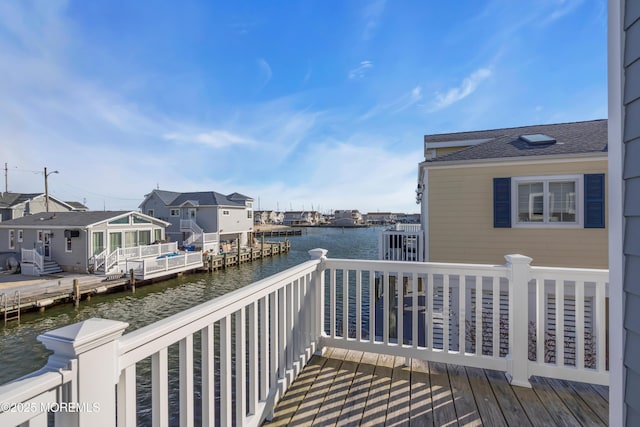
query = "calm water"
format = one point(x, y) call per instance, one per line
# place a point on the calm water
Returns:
point(21, 353)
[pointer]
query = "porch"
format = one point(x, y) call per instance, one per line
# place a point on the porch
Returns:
point(515, 319)
point(347, 387)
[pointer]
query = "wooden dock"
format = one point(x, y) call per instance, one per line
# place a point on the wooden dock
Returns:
point(278, 232)
point(62, 291)
point(351, 388)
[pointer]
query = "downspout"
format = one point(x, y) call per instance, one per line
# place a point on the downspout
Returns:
point(86, 258)
point(422, 197)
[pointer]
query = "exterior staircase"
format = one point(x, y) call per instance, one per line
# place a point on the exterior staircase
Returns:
point(50, 267)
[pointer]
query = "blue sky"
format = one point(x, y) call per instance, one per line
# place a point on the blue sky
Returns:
point(299, 104)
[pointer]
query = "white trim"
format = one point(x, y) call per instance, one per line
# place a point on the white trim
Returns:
point(12, 239)
point(458, 143)
point(516, 161)
point(20, 235)
point(615, 190)
point(66, 248)
point(172, 210)
point(545, 180)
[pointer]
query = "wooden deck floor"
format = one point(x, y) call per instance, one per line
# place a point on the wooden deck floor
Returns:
point(352, 389)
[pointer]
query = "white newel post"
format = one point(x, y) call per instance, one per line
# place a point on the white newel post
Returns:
point(518, 357)
point(318, 306)
point(92, 346)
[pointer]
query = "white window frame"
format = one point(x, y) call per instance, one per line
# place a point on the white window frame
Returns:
point(12, 239)
point(68, 245)
point(174, 212)
point(150, 212)
point(226, 212)
point(20, 236)
point(545, 180)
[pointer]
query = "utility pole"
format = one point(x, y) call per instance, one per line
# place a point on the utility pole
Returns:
point(46, 187)
point(6, 178)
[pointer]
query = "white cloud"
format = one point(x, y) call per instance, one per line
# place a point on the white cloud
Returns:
point(360, 70)
point(265, 71)
point(405, 101)
point(468, 86)
point(372, 15)
point(213, 138)
point(562, 8)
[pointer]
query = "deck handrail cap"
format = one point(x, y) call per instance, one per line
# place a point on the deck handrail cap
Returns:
point(81, 337)
point(318, 253)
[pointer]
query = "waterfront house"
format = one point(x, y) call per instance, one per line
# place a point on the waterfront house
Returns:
point(70, 241)
point(380, 218)
point(205, 219)
point(347, 217)
point(268, 217)
point(16, 205)
point(293, 218)
point(537, 190)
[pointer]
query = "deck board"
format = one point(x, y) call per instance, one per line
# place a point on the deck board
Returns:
point(351, 388)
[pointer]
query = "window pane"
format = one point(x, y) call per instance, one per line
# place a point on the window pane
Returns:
point(562, 201)
point(145, 237)
point(531, 202)
point(98, 242)
point(130, 239)
point(115, 241)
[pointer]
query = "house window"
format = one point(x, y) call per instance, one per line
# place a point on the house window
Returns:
point(225, 213)
point(115, 241)
point(150, 212)
point(98, 242)
point(249, 214)
point(40, 236)
point(20, 236)
point(67, 247)
point(547, 201)
point(144, 237)
point(174, 212)
point(12, 239)
point(157, 235)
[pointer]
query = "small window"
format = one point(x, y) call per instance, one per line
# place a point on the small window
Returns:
point(40, 236)
point(225, 212)
point(20, 236)
point(150, 212)
point(123, 220)
point(174, 212)
point(547, 201)
point(249, 213)
point(67, 244)
point(12, 239)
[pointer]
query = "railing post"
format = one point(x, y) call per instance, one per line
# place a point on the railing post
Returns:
point(518, 358)
point(317, 304)
point(92, 347)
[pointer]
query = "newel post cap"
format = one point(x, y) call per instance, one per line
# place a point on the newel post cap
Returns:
point(514, 259)
point(318, 253)
point(81, 337)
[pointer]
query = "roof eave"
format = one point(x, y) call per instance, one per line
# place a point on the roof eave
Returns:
point(517, 159)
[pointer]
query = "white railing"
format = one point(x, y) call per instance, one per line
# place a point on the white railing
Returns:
point(122, 255)
point(407, 227)
point(401, 245)
point(259, 337)
point(33, 257)
point(191, 225)
point(98, 260)
point(147, 267)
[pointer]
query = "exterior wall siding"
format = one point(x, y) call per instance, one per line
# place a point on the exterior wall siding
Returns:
point(631, 210)
point(461, 220)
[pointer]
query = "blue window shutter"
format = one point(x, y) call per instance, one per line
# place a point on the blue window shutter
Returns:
point(502, 202)
point(594, 200)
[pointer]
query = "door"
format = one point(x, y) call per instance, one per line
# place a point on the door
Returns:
point(46, 245)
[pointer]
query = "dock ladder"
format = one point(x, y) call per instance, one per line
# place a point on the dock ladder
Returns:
point(11, 310)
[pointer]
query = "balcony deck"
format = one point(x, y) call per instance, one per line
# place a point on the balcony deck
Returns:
point(355, 388)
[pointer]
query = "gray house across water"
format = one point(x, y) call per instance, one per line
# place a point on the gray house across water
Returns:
point(204, 219)
point(71, 241)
